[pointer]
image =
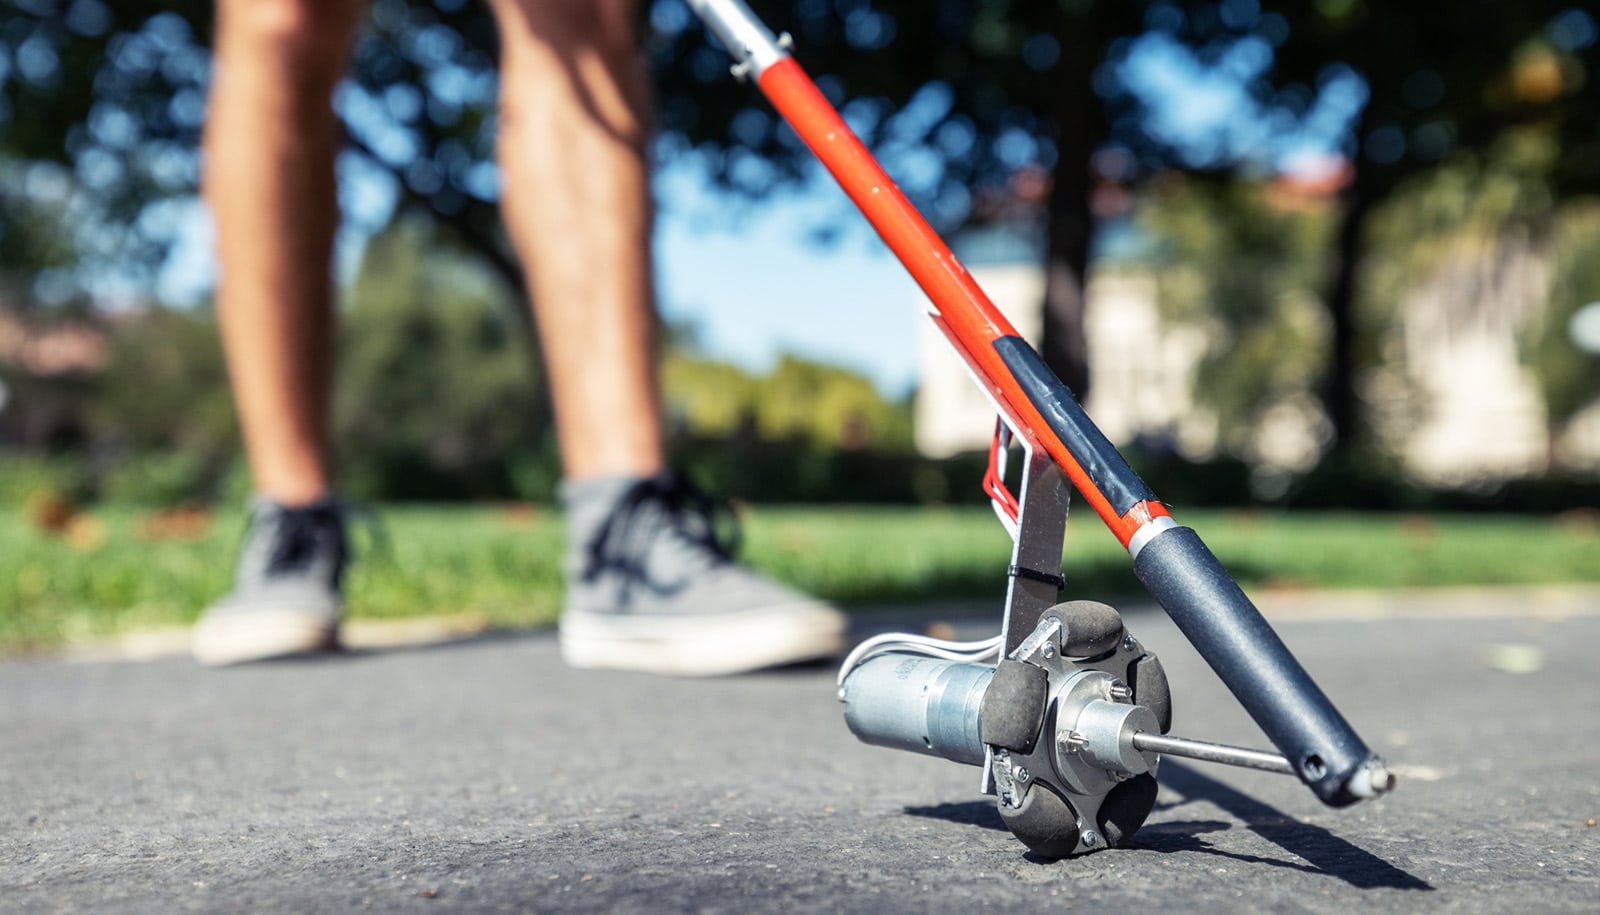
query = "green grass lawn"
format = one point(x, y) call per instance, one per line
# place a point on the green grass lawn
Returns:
point(115, 570)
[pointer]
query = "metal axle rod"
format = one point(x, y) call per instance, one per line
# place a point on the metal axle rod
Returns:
point(1212, 752)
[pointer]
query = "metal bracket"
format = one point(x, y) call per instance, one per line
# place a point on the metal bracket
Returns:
point(1035, 575)
point(751, 44)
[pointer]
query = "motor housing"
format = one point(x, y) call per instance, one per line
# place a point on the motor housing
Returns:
point(1054, 733)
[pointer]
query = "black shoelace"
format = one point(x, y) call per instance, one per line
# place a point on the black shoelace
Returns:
point(665, 505)
point(301, 534)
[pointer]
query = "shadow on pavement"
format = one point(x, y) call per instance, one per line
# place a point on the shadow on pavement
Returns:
point(1322, 851)
point(966, 813)
point(1325, 852)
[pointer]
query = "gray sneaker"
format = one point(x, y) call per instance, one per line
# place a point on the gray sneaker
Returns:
point(651, 586)
point(286, 597)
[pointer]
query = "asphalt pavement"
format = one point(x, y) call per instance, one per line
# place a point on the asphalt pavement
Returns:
point(482, 775)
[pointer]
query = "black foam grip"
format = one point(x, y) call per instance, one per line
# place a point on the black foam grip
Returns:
point(1067, 419)
point(1013, 707)
point(1230, 633)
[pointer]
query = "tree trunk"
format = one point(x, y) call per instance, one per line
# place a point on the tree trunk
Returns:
point(1081, 128)
point(1070, 224)
point(1339, 389)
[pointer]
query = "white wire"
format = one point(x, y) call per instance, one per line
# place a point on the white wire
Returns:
point(980, 650)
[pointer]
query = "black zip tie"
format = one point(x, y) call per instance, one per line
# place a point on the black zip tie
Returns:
point(1060, 581)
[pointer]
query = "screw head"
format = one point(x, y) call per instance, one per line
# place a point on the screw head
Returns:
point(1021, 774)
point(1129, 643)
point(1089, 838)
point(1048, 650)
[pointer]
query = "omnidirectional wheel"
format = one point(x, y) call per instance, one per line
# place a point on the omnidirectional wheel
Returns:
point(1071, 780)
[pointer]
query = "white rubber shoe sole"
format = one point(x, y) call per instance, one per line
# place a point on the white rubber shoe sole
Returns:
point(255, 635)
point(702, 646)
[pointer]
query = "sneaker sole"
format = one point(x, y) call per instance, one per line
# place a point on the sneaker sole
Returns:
point(266, 634)
point(703, 646)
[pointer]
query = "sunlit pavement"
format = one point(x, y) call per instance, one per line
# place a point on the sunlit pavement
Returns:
point(483, 775)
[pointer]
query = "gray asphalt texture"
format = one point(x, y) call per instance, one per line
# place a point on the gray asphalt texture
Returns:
point(485, 776)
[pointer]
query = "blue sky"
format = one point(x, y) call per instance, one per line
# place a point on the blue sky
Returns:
point(755, 284)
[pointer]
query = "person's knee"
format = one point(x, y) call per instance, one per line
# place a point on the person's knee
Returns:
point(307, 39)
point(605, 25)
point(549, 52)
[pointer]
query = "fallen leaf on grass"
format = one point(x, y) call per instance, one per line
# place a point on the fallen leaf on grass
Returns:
point(51, 514)
point(1418, 531)
point(521, 514)
point(1580, 524)
point(185, 523)
point(85, 533)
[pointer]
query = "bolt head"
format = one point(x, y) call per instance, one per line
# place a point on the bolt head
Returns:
point(1048, 650)
point(1089, 838)
point(1021, 774)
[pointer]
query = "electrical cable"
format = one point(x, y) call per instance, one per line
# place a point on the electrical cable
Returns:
point(981, 650)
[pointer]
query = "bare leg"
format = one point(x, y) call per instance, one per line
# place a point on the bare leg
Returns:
point(269, 148)
point(576, 202)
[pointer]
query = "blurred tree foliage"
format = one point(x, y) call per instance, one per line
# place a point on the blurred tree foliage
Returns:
point(714, 398)
point(37, 250)
point(435, 397)
point(1471, 220)
point(958, 96)
point(1569, 377)
point(829, 406)
point(1243, 264)
point(165, 387)
point(1438, 80)
point(116, 94)
point(38, 293)
point(800, 401)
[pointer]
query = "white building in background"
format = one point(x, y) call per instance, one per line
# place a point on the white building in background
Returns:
point(1143, 369)
point(1458, 407)
point(951, 415)
point(1478, 413)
